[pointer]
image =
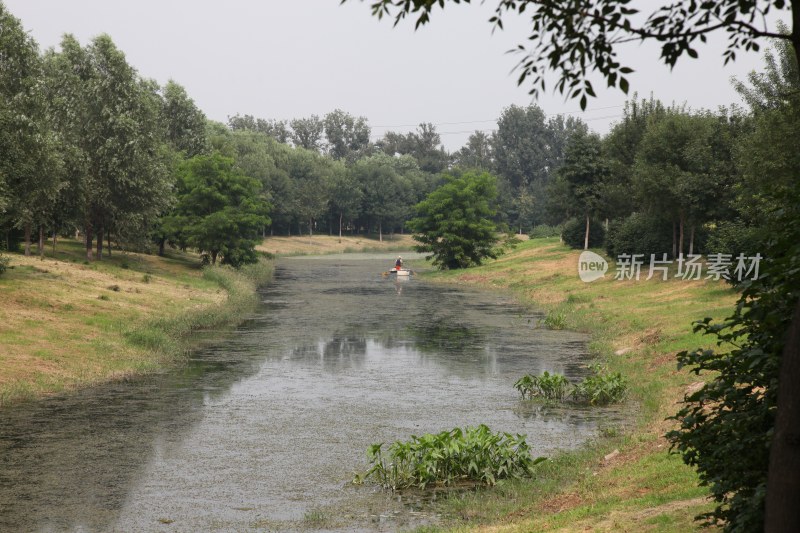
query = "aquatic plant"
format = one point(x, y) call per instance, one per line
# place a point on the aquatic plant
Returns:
point(601, 388)
point(555, 320)
point(550, 386)
point(474, 454)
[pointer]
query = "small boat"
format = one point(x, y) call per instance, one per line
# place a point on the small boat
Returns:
point(400, 271)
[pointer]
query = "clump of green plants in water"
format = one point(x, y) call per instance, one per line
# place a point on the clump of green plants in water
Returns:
point(601, 388)
point(474, 454)
point(549, 386)
point(555, 320)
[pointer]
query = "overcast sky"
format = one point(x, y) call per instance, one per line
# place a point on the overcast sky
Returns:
point(287, 59)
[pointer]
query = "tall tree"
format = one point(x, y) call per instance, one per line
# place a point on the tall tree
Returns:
point(476, 153)
point(307, 133)
point(347, 135)
point(584, 171)
point(184, 123)
point(112, 117)
point(30, 167)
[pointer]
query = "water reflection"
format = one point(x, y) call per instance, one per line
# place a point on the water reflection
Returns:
point(270, 421)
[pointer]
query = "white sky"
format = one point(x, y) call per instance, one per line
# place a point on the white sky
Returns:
point(292, 58)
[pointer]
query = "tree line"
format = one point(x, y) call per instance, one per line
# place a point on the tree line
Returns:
point(91, 145)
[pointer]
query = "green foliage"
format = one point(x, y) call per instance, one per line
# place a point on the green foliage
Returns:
point(219, 211)
point(549, 386)
point(574, 233)
point(542, 231)
point(641, 234)
point(578, 40)
point(454, 223)
point(555, 320)
point(726, 427)
point(474, 454)
point(601, 388)
point(735, 237)
point(4, 262)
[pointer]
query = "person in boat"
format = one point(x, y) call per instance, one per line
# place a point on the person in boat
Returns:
point(399, 263)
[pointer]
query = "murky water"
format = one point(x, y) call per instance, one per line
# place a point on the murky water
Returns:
point(263, 430)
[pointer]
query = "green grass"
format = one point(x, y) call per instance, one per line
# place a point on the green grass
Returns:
point(636, 329)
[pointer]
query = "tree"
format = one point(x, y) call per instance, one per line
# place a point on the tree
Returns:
point(347, 135)
point(476, 153)
point(424, 145)
point(583, 172)
point(30, 166)
point(311, 176)
point(454, 223)
point(277, 129)
point(386, 195)
point(345, 195)
point(219, 210)
point(111, 119)
point(307, 133)
point(185, 124)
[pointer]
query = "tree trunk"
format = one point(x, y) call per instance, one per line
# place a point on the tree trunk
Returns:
point(214, 257)
point(55, 238)
point(100, 243)
point(89, 241)
point(783, 477)
point(586, 236)
point(691, 240)
point(108, 241)
point(161, 243)
point(680, 238)
point(380, 231)
point(674, 240)
point(340, 226)
point(41, 241)
point(27, 239)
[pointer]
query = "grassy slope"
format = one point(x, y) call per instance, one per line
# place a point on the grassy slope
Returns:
point(326, 244)
point(65, 324)
point(637, 327)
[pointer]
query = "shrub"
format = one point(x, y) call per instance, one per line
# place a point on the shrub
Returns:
point(640, 234)
point(4, 261)
point(574, 233)
point(473, 454)
point(735, 237)
point(543, 231)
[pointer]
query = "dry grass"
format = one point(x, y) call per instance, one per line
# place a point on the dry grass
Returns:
point(63, 323)
point(326, 244)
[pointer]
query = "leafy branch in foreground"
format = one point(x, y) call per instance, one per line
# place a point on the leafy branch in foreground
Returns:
point(575, 39)
point(474, 454)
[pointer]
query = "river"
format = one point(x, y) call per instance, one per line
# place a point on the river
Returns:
point(263, 428)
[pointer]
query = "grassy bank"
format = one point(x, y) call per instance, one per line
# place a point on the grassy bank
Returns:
point(65, 323)
point(327, 244)
point(625, 480)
